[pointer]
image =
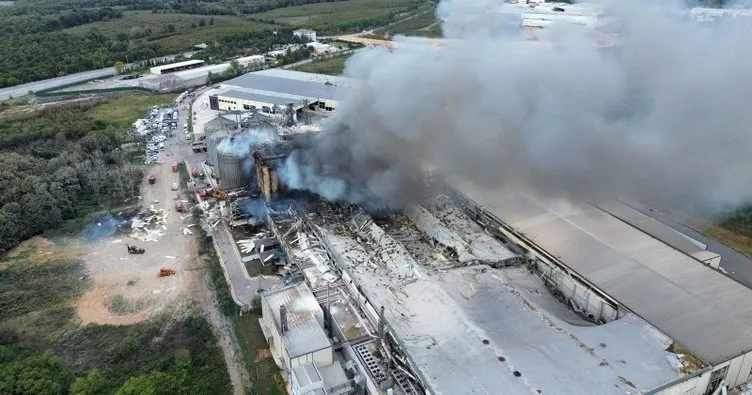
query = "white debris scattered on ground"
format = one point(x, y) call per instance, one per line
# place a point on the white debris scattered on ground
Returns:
point(187, 231)
point(150, 228)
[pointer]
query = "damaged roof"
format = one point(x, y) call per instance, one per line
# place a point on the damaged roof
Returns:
point(700, 308)
point(305, 332)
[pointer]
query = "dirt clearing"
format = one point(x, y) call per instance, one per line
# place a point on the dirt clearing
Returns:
point(130, 280)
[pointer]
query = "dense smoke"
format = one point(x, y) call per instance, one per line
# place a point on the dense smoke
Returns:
point(240, 144)
point(662, 117)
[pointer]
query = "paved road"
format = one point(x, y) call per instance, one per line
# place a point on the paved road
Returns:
point(243, 287)
point(736, 265)
point(23, 89)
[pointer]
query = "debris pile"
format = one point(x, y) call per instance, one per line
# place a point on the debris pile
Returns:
point(151, 227)
point(164, 272)
point(262, 247)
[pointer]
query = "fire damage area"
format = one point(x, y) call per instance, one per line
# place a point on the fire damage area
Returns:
point(410, 301)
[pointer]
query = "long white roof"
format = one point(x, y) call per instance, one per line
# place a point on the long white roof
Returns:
point(700, 308)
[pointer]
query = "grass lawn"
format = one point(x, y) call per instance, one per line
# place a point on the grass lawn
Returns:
point(733, 237)
point(331, 66)
point(126, 109)
point(182, 38)
point(322, 15)
point(264, 372)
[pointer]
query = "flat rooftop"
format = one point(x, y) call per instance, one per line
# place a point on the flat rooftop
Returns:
point(305, 332)
point(272, 98)
point(294, 84)
point(185, 63)
point(701, 309)
point(468, 330)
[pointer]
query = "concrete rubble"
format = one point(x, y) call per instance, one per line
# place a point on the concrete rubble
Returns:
point(151, 227)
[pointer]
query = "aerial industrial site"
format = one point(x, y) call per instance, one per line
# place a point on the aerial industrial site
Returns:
point(513, 197)
point(468, 290)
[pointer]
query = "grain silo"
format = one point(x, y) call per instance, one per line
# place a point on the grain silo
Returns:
point(232, 173)
point(214, 131)
point(212, 141)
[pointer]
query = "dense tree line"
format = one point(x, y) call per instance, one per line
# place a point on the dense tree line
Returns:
point(57, 165)
point(740, 220)
point(198, 7)
point(200, 371)
point(28, 24)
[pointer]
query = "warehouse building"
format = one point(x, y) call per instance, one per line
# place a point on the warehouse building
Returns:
point(179, 66)
point(271, 91)
point(632, 271)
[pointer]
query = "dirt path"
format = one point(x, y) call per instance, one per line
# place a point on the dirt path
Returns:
point(227, 341)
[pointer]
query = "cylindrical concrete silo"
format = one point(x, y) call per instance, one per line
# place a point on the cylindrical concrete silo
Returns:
point(211, 146)
point(231, 171)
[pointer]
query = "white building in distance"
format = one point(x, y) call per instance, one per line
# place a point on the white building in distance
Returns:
point(305, 33)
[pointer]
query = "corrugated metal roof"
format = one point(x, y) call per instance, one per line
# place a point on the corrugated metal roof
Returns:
point(305, 332)
point(655, 228)
point(315, 87)
point(266, 98)
point(703, 310)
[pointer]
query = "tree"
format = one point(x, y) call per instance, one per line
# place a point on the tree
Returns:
point(202, 22)
point(211, 21)
point(170, 28)
point(34, 375)
point(154, 383)
point(93, 384)
point(119, 67)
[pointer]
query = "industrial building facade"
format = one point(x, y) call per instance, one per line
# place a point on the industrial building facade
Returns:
point(268, 91)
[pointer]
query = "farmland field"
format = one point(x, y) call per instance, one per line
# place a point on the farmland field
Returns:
point(342, 16)
point(424, 24)
point(186, 32)
point(331, 66)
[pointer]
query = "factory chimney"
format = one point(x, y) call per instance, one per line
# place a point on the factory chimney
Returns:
point(382, 325)
point(283, 319)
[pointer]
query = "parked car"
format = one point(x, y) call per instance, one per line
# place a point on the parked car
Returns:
point(174, 186)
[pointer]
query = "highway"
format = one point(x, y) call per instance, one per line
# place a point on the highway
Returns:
point(23, 89)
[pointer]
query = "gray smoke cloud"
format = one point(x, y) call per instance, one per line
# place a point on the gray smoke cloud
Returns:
point(662, 117)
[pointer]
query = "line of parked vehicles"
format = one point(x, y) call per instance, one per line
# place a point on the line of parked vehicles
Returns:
point(163, 123)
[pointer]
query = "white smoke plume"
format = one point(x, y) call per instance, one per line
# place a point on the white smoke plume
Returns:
point(239, 145)
point(662, 117)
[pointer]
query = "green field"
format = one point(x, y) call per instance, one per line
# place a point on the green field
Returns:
point(264, 372)
point(331, 66)
point(424, 24)
point(342, 16)
point(125, 110)
point(186, 33)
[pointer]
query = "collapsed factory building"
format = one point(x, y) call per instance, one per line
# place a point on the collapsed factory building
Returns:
point(489, 291)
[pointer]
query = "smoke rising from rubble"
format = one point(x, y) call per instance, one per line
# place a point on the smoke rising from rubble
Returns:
point(662, 118)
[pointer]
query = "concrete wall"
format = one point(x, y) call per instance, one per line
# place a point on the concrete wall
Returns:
point(323, 357)
point(739, 370)
point(270, 328)
point(695, 385)
point(737, 373)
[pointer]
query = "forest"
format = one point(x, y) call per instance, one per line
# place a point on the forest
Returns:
point(56, 165)
point(43, 39)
